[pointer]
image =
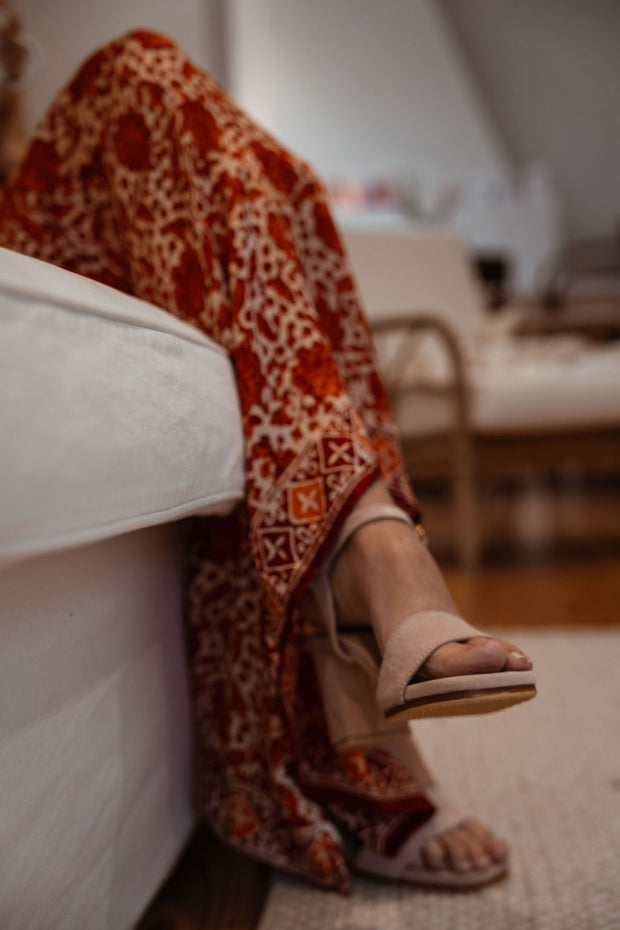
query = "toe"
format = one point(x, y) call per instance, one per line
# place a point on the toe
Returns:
point(516, 660)
point(458, 850)
point(490, 844)
point(476, 848)
point(478, 655)
point(464, 848)
point(434, 854)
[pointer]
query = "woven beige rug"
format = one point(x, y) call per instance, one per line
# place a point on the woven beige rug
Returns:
point(546, 775)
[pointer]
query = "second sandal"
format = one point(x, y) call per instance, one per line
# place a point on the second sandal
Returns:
point(407, 865)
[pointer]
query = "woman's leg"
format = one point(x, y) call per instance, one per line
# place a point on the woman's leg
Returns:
point(385, 573)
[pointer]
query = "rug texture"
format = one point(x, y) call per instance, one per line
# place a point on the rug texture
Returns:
point(546, 776)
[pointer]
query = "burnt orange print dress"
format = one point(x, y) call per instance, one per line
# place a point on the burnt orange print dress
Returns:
point(145, 175)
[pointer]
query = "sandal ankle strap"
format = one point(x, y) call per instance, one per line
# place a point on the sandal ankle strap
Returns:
point(362, 516)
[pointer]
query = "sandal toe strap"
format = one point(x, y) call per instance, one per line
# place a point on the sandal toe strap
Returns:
point(409, 647)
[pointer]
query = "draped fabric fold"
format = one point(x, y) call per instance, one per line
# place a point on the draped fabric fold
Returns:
point(146, 176)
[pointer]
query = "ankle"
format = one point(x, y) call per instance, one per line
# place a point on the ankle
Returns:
point(384, 575)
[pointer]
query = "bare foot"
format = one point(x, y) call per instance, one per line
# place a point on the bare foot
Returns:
point(463, 850)
point(469, 845)
point(386, 573)
point(464, 844)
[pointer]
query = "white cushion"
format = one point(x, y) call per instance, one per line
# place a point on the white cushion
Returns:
point(529, 385)
point(114, 414)
point(545, 384)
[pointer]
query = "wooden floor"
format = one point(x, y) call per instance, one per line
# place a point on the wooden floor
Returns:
point(552, 560)
point(552, 556)
point(212, 888)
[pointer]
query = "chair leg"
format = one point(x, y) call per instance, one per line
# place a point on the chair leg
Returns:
point(466, 505)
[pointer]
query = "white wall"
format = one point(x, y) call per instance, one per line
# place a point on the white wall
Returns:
point(549, 72)
point(69, 30)
point(382, 87)
point(360, 87)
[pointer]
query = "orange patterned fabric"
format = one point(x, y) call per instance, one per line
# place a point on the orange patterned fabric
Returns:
point(144, 175)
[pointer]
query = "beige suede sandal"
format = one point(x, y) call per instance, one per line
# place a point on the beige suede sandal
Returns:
point(408, 864)
point(402, 691)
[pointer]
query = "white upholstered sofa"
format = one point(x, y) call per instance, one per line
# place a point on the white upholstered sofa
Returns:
point(116, 421)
